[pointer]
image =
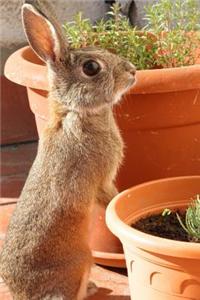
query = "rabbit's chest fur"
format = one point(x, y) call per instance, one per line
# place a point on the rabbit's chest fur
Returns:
point(56, 201)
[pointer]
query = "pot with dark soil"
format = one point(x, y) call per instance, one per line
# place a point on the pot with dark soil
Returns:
point(175, 225)
point(159, 227)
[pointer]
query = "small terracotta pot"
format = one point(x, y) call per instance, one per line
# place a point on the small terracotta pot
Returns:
point(158, 268)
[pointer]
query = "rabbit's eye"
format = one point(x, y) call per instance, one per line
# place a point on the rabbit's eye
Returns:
point(91, 68)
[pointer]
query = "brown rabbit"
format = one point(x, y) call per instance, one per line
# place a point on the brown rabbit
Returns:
point(46, 253)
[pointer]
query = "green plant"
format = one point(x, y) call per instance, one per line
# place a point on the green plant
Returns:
point(192, 219)
point(170, 38)
point(176, 25)
point(114, 34)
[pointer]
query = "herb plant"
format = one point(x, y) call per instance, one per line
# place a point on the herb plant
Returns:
point(171, 37)
point(192, 219)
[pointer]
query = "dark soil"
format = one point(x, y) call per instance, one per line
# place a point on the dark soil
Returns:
point(164, 226)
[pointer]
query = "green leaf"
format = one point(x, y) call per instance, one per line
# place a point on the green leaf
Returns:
point(166, 212)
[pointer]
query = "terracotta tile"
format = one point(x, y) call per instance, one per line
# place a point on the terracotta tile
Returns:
point(111, 285)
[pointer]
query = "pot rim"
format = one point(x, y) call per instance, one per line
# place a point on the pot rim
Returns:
point(145, 241)
point(17, 69)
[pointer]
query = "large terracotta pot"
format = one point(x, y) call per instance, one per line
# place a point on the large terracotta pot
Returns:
point(159, 118)
point(158, 268)
point(17, 120)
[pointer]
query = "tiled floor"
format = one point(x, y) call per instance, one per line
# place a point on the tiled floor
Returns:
point(111, 285)
point(15, 163)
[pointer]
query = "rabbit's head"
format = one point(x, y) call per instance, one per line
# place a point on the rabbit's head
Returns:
point(85, 79)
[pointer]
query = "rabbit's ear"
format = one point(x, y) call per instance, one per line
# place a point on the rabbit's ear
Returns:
point(44, 37)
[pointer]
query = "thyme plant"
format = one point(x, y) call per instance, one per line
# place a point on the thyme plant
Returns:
point(171, 37)
point(192, 219)
point(176, 25)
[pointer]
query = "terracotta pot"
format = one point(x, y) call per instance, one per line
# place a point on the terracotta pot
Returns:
point(106, 248)
point(158, 268)
point(17, 120)
point(159, 118)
